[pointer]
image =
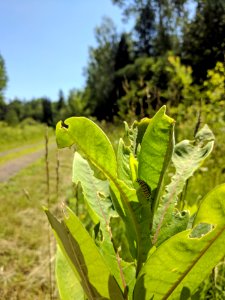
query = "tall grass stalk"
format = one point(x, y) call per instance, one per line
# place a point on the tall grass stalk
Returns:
point(48, 205)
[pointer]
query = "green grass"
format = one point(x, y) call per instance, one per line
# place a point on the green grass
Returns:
point(20, 135)
point(24, 228)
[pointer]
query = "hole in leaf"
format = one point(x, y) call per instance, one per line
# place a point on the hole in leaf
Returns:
point(183, 213)
point(101, 195)
point(98, 233)
point(64, 125)
point(201, 230)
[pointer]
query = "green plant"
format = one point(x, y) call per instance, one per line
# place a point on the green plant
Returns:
point(24, 133)
point(144, 244)
point(215, 84)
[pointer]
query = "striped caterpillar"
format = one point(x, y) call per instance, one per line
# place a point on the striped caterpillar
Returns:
point(145, 188)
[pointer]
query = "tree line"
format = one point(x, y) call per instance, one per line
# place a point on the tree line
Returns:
point(174, 54)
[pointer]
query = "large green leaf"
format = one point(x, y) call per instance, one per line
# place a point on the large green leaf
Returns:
point(96, 191)
point(187, 158)
point(84, 258)
point(91, 140)
point(93, 144)
point(212, 209)
point(68, 285)
point(156, 152)
point(185, 260)
point(96, 195)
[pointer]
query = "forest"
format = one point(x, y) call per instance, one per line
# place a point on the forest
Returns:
point(174, 55)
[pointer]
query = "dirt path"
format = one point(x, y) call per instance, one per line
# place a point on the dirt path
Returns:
point(12, 167)
point(13, 150)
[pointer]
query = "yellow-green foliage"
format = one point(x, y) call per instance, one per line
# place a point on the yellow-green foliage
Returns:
point(180, 82)
point(150, 82)
point(214, 85)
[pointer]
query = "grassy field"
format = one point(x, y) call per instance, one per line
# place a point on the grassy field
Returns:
point(24, 254)
point(20, 135)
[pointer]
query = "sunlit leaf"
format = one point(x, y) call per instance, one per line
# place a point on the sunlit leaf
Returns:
point(84, 258)
point(156, 151)
point(185, 261)
point(96, 195)
point(90, 140)
point(187, 158)
point(68, 285)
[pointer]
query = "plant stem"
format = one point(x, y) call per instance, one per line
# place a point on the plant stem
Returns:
point(57, 175)
point(48, 205)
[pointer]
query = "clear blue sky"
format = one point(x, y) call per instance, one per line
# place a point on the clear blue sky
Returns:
point(45, 43)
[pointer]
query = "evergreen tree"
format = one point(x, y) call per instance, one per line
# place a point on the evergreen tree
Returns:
point(123, 55)
point(204, 38)
point(158, 24)
point(99, 92)
point(47, 112)
point(61, 102)
point(123, 58)
point(145, 29)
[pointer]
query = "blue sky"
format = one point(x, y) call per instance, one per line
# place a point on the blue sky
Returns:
point(45, 43)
